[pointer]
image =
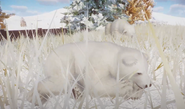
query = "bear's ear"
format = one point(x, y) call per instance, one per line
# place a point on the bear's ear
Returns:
point(129, 61)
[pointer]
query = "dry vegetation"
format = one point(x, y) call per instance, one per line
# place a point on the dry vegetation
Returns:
point(21, 68)
point(139, 10)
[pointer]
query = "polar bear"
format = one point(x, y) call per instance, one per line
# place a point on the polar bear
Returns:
point(120, 26)
point(101, 68)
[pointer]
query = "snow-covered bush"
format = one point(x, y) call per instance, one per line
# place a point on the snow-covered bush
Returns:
point(92, 14)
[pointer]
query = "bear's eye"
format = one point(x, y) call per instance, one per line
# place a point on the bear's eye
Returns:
point(139, 73)
point(124, 31)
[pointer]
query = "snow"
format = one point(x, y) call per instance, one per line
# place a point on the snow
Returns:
point(40, 21)
point(168, 19)
point(43, 21)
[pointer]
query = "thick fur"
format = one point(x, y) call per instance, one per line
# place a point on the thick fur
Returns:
point(101, 68)
point(120, 27)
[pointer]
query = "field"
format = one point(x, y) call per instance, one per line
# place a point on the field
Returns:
point(21, 69)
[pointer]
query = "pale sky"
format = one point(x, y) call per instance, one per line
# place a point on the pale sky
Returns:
point(35, 7)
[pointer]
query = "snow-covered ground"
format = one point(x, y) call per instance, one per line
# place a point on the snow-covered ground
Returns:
point(44, 20)
point(23, 61)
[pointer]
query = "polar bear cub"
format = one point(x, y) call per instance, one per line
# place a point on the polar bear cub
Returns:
point(102, 68)
point(120, 27)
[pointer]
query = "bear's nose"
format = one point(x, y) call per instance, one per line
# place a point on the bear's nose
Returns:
point(150, 85)
point(146, 86)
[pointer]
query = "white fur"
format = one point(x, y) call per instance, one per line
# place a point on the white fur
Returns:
point(120, 26)
point(97, 66)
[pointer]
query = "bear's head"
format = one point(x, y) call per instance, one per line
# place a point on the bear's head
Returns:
point(134, 67)
point(128, 31)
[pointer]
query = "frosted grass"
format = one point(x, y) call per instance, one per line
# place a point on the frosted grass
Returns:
point(21, 69)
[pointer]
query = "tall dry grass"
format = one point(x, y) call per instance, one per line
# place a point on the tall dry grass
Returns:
point(21, 69)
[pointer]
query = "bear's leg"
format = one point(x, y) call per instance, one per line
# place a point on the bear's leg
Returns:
point(107, 29)
point(47, 87)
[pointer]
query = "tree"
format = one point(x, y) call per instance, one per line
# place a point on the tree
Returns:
point(23, 22)
point(92, 14)
point(139, 10)
point(3, 16)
